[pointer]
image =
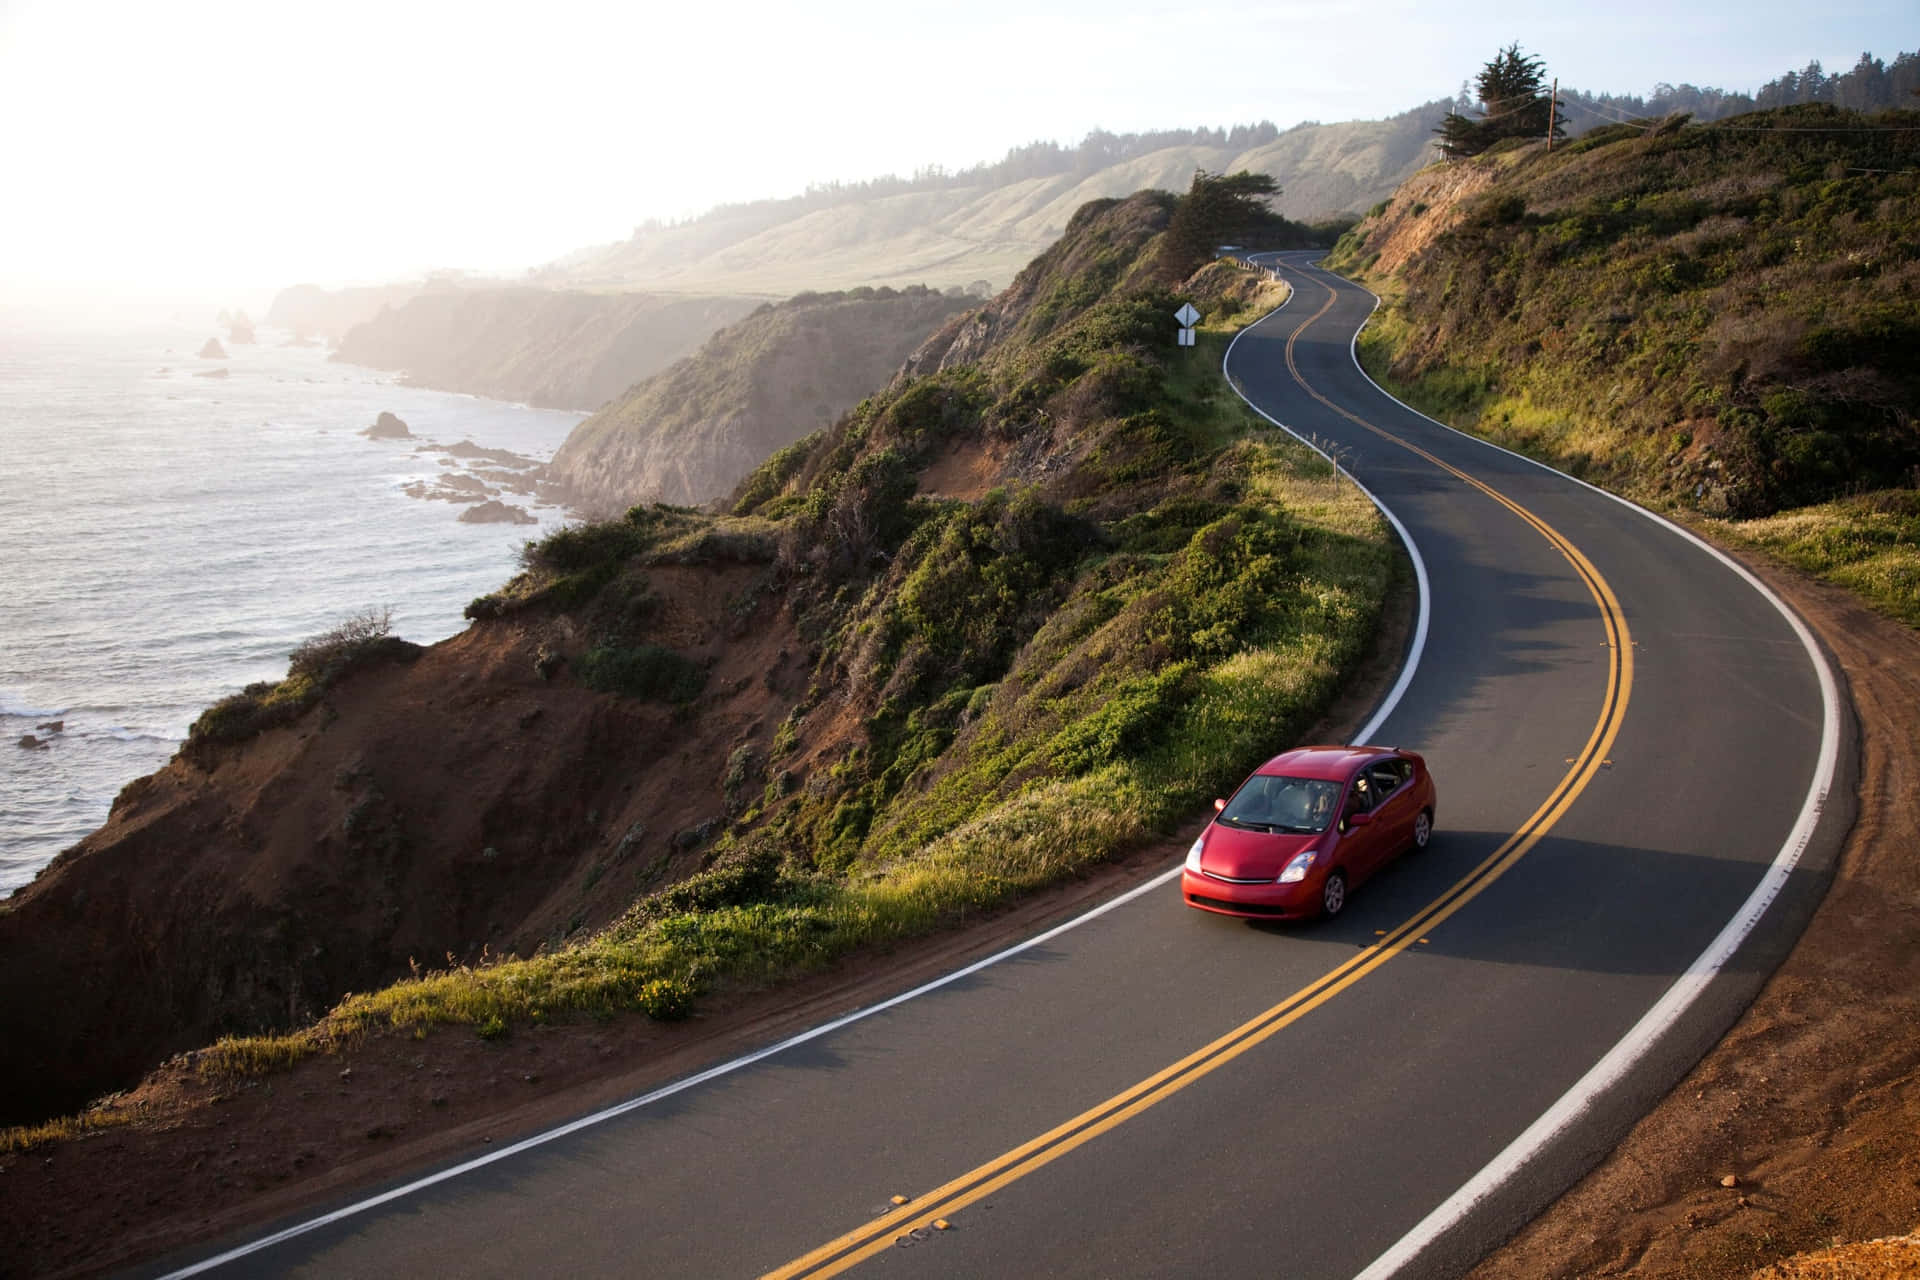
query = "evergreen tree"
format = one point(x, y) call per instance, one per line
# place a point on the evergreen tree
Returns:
point(1219, 207)
point(1513, 103)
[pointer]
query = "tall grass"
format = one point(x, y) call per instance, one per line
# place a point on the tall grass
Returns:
point(1869, 544)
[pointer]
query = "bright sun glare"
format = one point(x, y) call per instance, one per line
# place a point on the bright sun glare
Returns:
point(241, 144)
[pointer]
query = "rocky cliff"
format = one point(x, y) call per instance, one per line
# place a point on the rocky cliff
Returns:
point(431, 804)
point(688, 434)
point(308, 311)
point(553, 348)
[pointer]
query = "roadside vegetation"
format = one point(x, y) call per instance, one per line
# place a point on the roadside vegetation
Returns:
point(1717, 320)
point(1149, 593)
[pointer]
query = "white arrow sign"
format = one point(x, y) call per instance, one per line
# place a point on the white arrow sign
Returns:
point(1186, 315)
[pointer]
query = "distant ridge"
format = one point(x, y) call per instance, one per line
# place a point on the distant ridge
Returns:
point(986, 223)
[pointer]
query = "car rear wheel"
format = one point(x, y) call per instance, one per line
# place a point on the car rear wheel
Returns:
point(1422, 830)
point(1333, 894)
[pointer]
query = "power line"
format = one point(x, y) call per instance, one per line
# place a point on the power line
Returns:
point(1756, 128)
point(1601, 113)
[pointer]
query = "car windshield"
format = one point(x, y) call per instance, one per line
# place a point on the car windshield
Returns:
point(1292, 805)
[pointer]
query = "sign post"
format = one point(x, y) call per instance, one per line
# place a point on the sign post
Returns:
point(1187, 317)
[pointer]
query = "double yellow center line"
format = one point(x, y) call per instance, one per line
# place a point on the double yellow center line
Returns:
point(920, 1214)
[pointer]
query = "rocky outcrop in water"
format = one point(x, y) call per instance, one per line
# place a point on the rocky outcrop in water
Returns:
point(213, 350)
point(387, 427)
point(493, 511)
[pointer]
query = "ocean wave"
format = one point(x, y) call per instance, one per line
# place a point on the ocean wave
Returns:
point(12, 706)
point(119, 734)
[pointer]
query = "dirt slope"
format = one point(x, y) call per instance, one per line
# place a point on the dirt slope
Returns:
point(423, 810)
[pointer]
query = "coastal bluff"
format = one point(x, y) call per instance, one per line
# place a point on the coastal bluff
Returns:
point(689, 434)
point(554, 349)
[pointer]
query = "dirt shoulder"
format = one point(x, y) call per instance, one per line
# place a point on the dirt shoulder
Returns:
point(1812, 1102)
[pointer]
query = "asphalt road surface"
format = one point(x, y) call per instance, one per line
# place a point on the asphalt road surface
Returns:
point(1642, 773)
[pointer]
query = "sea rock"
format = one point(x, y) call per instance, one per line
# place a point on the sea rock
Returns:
point(387, 427)
point(450, 486)
point(211, 373)
point(470, 452)
point(213, 350)
point(496, 512)
point(52, 726)
point(30, 743)
point(240, 329)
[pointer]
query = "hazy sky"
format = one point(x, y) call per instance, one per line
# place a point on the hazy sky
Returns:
point(245, 144)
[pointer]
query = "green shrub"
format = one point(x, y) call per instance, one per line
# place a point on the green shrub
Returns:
point(748, 872)
point(334, 650)
point(1127, 721)
point(772, 476)
point(641, 671)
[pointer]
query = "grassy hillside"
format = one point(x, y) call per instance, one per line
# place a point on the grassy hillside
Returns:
point(987, 223)
point(554, 348)
point(1016, 614)
point(688, 434)
point(1716, 319)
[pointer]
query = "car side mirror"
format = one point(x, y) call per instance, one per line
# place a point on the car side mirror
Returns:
point(1219, 806)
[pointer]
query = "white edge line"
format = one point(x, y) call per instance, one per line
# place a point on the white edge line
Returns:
point(1611, 1069)
point(1419, 645)
point(665, 1091)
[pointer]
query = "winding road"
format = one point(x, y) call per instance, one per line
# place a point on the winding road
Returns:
point(1643, 770)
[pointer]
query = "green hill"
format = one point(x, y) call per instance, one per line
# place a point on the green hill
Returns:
point(1717, 319)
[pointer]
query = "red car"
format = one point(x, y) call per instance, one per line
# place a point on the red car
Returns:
point(1306, 828)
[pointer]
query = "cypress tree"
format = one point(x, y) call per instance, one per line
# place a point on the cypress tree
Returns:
point(1513, 103)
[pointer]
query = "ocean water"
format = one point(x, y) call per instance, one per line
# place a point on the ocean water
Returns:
point(166, 539)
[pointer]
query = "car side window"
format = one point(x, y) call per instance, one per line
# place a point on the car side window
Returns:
point(1360, 796)
point(1387, 775)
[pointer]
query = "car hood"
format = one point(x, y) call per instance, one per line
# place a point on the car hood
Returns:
point(1239, 854)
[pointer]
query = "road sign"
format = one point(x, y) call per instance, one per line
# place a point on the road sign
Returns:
point(1187, 317)
point(1186, 337)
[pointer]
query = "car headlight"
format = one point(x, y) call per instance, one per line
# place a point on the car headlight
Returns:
point(1296, 869)
point(1193, 854)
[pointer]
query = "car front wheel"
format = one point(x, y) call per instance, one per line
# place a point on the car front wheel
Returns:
point(1422, 830)
point(1333, 894)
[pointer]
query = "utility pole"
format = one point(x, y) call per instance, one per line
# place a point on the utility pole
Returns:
point(1552, 103)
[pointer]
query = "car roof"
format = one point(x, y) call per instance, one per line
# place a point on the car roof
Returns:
point(1330, 762)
